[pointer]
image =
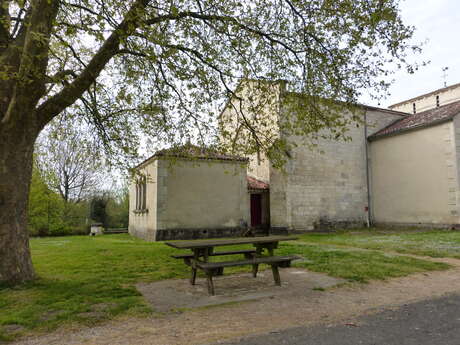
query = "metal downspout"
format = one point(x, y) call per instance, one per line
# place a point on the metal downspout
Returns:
point(368, 182)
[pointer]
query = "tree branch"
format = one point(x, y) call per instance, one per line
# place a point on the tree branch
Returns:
point(67, 96)
point(220, 18)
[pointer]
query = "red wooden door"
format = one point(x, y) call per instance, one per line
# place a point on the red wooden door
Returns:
point(256, 209)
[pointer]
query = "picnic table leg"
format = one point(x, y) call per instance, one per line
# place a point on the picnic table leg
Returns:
point(196, 255)
point(276, 274)
point(255, 267)
point(193, 277)
point(210, 283)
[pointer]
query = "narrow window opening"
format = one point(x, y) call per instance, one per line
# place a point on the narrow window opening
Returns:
point(137, 195)
point(141, 194)
point(437, 101)
point(414, 109)
point(144, 193)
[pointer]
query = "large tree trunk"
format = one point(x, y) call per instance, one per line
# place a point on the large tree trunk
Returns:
point(16, 150)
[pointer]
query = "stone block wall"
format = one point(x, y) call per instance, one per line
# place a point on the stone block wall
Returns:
point(325, 186)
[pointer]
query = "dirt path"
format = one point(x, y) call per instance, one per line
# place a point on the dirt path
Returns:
point(221, 323)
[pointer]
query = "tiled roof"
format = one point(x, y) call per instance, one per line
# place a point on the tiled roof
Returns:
point(420, 120)
point(256, 184)
point(193, 152)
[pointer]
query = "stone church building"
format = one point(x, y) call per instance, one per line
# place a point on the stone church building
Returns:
point(401, 167)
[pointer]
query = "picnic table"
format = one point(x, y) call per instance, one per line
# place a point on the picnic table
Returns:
point(202, 250)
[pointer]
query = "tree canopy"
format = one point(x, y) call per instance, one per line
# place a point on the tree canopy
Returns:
point(161, 67)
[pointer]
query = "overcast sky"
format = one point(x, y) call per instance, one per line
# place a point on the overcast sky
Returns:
point(437, 21)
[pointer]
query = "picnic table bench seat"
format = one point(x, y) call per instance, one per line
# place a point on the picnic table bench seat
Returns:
point(216, 268)
point(281, 261)
point(248, 253)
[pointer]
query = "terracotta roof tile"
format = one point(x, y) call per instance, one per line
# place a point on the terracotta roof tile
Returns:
point(256, 184)
point(420, 120)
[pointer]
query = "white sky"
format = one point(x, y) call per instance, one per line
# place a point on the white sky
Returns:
point(437, 21)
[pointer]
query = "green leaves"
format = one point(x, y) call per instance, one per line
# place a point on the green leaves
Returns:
point(174, 10)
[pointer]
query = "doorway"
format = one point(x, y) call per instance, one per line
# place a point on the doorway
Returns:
point(256, 210)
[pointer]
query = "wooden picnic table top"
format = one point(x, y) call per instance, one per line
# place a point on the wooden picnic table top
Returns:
point(227, 241)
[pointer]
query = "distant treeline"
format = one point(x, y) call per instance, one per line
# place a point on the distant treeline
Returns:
point(50, 215)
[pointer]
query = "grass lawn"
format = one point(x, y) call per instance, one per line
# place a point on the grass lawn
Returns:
point(429, 243)
point(84, 279)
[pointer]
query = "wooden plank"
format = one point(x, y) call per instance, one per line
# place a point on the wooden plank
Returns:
point(262, 260)
point(233, 252)
point(227, 241)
